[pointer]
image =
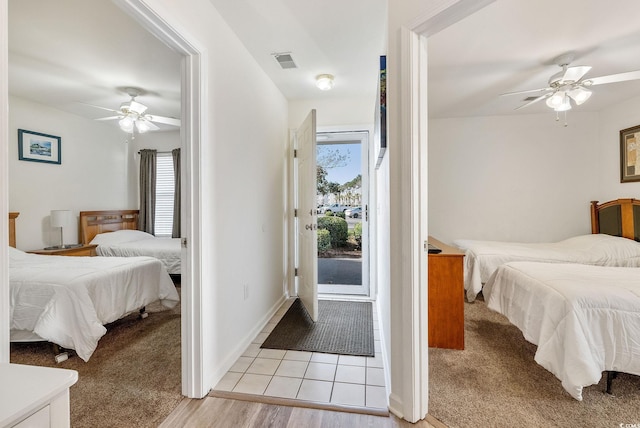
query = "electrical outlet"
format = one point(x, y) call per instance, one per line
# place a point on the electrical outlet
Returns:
point(246, 291)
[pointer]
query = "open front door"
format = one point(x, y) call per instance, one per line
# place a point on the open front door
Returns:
point(307, 216)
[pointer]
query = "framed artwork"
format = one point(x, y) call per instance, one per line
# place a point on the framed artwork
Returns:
point(382, 110)
point(630, 154)
point(37, 147)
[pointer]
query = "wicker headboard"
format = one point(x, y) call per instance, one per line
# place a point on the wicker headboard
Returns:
point(95, 222)
point(620, 217)
point(12, 228)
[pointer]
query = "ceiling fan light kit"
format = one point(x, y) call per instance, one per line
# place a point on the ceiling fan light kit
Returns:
point(132, 117)
point(569, 86)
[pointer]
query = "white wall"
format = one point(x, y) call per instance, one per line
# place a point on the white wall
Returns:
point(333, 112)
point(612, 121)
point(93, 173)
point(242, 163)
point(512, 178)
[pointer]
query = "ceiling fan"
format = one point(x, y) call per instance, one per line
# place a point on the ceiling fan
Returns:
point(131, 115)
point(570, 85)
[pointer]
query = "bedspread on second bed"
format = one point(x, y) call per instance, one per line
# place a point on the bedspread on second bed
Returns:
point(67, 300)
point(132, 243)
point(482, 258)
point(584, 319)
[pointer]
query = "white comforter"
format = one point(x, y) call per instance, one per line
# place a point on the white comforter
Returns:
point(133, 243)
point(482, 258)
point(584, 319)
point(67, 300)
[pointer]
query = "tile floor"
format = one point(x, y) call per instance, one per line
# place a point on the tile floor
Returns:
point(309, 376)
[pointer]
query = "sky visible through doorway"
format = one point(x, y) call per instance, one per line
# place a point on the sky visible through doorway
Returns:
point(346, 173)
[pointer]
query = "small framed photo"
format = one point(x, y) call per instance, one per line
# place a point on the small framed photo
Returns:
point(37, 147)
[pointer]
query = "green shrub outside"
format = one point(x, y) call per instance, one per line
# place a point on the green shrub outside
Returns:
point(340, 214)
point(328, 213)
point(357, 230)
point(337, 227)
point(324, 240)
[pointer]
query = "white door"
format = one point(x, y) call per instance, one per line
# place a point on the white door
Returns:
point(307, 217)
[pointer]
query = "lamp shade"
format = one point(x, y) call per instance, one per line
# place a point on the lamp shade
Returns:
point(60, 218)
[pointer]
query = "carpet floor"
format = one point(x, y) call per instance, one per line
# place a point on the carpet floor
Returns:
point(344, 328)
point(133, 378)
point(495, 382)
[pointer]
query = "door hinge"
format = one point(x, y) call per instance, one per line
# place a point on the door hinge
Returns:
point(295, 212)
point(295, 153)
point(183, 242)
point(295, 272)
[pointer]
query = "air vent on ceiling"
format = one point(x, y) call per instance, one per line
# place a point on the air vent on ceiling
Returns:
point(285, 60)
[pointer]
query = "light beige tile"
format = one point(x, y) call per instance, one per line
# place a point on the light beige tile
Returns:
point(318, 357)
point(376, 396)
point(320, 371)
point(292, 368)
point(351, 360)
point(265, 366)
point(269, 327)
point(252, 350)
point(315, 390)
point(298, 355)
point(286, 387)
point(350, 374)
point(275, 354)
point(375, 376)
point(228, 381)
point(252, 384)
point(348, 393)
point(261, 337)
point(241, 365)
point(375, 361)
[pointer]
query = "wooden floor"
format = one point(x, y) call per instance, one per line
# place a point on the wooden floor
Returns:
point(223, 412)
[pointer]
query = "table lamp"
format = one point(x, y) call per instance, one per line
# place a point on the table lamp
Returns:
point(60, 218)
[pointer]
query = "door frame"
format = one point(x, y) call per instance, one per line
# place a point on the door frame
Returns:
point(193, 102)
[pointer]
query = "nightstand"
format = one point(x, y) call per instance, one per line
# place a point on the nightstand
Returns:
point(81, 251)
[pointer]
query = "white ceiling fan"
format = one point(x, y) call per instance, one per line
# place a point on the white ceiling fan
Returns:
point(570, 85)
point(131, 115)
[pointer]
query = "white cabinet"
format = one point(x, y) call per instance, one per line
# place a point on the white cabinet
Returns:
point(33, 396)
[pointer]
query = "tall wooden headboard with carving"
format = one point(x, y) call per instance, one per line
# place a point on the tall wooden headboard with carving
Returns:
point(620, 217)
point(12, 228)
point(95, 222)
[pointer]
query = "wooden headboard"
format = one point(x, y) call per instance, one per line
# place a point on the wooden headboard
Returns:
point(95, 222)
point(12, 229)
point(620, 217)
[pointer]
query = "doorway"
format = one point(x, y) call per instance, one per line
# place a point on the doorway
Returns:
point(342, 191)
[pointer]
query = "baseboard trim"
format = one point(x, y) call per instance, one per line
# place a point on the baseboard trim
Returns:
point(298, 403)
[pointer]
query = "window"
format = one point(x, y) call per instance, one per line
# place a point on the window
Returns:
point(164, 195)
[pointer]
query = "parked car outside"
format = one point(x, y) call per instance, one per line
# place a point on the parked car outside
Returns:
point(335, 208)
point(354, 212)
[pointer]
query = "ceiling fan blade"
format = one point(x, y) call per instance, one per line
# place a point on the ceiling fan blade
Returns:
point(137, 107)
point(612, 78)
point(526, 92)
point(535, 100)
point(150, 125)
point(162, 119)
point(102, 108)
point(575, 73)
point(110, 118)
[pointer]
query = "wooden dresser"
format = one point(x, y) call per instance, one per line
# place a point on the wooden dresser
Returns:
point(446, 297)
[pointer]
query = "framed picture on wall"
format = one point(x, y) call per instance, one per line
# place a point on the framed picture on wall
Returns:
point(37, 147)
point(630, 154)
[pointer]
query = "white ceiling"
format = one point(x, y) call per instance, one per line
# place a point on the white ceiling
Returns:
point(67, 52)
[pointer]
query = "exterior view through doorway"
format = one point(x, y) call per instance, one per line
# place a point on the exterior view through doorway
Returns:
point(342, 208)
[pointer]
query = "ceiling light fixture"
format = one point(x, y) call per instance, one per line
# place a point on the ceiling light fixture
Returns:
point(324, 82)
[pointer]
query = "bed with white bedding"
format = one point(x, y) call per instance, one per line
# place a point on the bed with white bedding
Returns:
point(67, 300)
point(115, 232)
point(584, 319)
point(482, 258)
point(134, 243)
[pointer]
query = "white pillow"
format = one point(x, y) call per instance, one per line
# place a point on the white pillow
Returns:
point(120, 237)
